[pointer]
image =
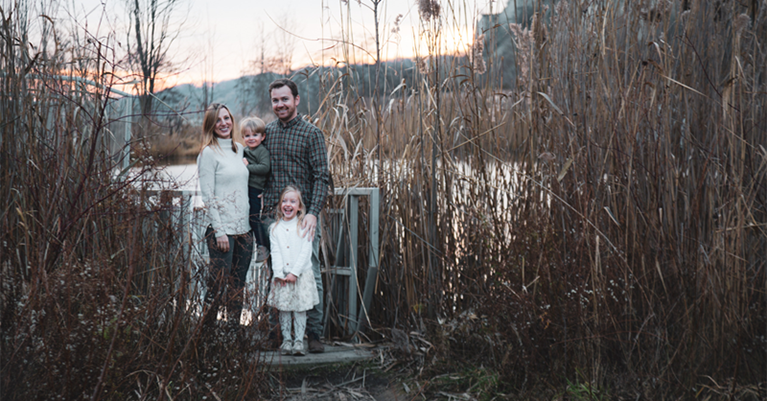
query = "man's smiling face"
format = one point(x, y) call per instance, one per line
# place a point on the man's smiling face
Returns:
point(284, 104)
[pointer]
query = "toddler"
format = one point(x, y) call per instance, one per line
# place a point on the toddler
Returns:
point(257, 160)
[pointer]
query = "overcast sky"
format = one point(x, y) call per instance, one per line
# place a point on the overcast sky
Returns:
point(220, 39)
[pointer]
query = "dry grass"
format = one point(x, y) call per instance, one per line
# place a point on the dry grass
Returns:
point(606, 216)
point(597, 229)
point(95, 275)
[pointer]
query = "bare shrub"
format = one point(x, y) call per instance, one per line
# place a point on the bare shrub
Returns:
point(96, 275)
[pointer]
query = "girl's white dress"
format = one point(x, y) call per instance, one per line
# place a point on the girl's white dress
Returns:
point(291, 254)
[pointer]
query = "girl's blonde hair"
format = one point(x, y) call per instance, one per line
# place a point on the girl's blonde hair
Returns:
point(254, 124)
point(301, 206)
point(209, 137)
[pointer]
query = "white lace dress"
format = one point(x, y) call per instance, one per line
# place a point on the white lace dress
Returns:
point(291, 254)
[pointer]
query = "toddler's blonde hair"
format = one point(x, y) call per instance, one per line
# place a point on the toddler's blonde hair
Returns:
point(254, 124)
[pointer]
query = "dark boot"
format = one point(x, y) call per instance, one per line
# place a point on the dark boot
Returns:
point(315, 346)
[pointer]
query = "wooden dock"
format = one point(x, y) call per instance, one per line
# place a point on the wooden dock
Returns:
point(338, 353)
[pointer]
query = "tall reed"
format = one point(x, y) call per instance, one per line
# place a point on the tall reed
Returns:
point(95, 275)
point(605, 215)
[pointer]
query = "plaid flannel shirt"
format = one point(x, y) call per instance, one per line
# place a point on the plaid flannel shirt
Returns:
point(298, 157)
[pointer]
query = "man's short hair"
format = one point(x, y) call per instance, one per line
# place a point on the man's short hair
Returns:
point(279, 83)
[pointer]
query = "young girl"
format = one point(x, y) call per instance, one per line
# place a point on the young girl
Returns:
point(293, 290)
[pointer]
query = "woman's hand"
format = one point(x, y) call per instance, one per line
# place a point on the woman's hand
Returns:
point(223, 243)
point(244, 160)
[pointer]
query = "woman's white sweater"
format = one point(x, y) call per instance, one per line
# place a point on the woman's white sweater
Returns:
point(224, 188)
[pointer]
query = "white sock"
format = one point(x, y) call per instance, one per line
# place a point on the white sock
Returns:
point(300, 325)
point(286, 321)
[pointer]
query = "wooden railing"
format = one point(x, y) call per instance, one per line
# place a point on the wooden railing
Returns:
point(347, 300)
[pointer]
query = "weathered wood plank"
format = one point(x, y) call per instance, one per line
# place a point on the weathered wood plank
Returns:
point(334, 354)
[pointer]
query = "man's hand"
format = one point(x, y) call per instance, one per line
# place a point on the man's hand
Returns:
point(308, 226)
point(223, 243)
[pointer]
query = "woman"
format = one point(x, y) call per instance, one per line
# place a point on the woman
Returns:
point(224, 188)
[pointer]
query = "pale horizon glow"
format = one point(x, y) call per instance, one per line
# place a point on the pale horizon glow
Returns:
point(226, 39)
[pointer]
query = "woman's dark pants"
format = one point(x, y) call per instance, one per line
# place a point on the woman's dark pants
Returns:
point(226, 277)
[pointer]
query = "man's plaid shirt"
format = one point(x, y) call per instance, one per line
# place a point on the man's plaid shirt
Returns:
point(298, 157)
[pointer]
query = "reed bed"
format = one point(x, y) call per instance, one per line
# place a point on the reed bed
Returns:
point(96, 275)
point(597, 225)
point(594, 229)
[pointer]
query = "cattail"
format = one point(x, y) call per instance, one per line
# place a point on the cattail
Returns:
point(740, 23)
point(476, 54)
point(429, 9)
point(560, 12)
point(397, 22)
point(420, 63)
point(523, 39)
point(685, 15)
point(547, 156)
point(539, 31)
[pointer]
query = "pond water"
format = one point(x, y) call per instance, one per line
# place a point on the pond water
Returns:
point(174, 177)
point(183, 175)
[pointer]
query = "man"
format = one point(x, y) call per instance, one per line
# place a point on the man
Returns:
point(298, 157)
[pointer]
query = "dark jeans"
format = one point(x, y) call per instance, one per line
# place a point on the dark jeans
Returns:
point(256, 224)
point(226, 276)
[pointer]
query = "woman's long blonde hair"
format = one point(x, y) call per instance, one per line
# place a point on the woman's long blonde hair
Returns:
point(209, 137)
point(301, 206)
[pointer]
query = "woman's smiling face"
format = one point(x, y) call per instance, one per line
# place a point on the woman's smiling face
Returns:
point(223, 127)
point(290, 205)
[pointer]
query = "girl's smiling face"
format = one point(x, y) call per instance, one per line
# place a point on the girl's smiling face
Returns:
point(290, 205)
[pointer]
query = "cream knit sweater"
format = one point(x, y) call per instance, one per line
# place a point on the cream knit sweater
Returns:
point(224, 188)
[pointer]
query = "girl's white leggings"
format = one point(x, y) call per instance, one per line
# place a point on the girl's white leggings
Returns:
point(299, 325)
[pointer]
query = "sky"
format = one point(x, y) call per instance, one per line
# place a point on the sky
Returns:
point(225, 39)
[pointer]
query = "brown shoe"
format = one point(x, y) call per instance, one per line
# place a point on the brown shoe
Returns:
point(315, 346)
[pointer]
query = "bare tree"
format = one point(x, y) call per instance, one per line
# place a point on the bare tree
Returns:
point(207, 61)
point(273, 59)
point(153, 29)
point(284, 45)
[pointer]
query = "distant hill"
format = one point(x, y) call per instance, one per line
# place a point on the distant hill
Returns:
point(248, 95)
point(191, 99)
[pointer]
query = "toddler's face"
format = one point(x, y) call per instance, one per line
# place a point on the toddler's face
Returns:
point(290, 205)
point(252, 139)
